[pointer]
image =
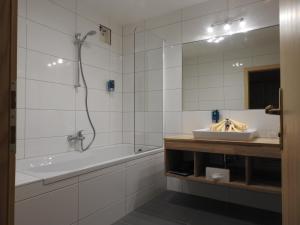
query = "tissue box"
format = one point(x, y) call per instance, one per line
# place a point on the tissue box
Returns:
point(217, 174)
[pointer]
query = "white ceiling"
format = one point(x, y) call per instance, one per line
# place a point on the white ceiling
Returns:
point(130, 11)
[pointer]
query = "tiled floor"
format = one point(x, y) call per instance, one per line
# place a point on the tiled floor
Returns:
point(172, 208)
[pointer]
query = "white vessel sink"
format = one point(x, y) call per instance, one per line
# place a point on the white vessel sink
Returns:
point(206, 134)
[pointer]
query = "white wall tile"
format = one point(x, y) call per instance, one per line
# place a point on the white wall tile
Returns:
point(154, 101)
point(170, 34)
point(42, 11)
point(21, 91)
point(21, 62)
point(154, 80)
point(96, 78)
point(49, 123)
point(98, 100)
point(173, 100)
point(116, 121)
point(99, 119)
point(204, 8)
point(154, 59)
point(173, 56)
point(20, 123)
point(96, 56)
point(67, 4)
point(22, 8)
point(46, 40)
point(20, 154)
point(153, 121)
point(173, 122)
point(164, 20)
point(173, 78)
point(38, 68)
point(44, 95)
point(46, 146)
point(22, 32)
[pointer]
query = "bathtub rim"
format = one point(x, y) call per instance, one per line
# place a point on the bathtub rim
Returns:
point(84, 170)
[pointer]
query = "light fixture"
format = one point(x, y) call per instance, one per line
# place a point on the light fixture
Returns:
point(49, 64)
point(242, 22)
point(60, 61)
point(227, 27)
point(211, 40)
point(237, 64)
point(54, 63)
point(215, 39)
point(210, 29)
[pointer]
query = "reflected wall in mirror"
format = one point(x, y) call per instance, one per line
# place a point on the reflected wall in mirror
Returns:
point(238, 72)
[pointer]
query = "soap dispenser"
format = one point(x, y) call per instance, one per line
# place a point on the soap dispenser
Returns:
point(215, 116)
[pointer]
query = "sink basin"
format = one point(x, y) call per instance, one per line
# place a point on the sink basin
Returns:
point(206, 134)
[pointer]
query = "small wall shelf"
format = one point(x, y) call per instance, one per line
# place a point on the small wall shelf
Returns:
point(254, 165)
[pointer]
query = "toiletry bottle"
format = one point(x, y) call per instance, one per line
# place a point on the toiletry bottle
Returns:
point(215, 116)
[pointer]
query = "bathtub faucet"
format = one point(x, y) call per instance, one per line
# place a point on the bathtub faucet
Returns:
point(76, 137)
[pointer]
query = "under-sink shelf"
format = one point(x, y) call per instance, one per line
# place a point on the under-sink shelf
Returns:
point(254, 167)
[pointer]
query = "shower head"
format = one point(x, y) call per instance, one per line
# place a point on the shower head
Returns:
point(90, 33)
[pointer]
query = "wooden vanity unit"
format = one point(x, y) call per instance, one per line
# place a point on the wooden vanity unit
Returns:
point(254, 165)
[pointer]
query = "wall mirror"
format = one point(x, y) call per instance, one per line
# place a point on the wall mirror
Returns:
point(232, 72)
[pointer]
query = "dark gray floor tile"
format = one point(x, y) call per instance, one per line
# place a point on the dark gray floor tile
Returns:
point(172, 208)
point(138, 218)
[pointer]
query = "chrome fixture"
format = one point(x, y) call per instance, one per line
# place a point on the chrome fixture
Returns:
point(79, 136)
point(105, 33)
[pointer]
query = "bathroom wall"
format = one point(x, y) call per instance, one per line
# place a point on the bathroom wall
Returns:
point(189, 25)
point(49, 108)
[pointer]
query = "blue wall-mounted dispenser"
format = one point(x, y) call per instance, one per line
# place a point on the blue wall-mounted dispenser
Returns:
point(215, 116)
point(110, 86)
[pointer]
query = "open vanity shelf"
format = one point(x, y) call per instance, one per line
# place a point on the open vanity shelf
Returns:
point(254, 165)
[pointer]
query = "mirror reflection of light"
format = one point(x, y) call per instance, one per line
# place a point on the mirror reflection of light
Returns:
point(227, 27)
point(237, 64)
point(242, 23)
point(210, 29)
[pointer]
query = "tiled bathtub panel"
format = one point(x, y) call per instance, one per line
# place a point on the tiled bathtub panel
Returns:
point(58, 207)
point(144, 174)
point(100, 192)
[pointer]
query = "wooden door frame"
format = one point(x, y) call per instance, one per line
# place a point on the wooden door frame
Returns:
point(246, 79)
point(8, 74)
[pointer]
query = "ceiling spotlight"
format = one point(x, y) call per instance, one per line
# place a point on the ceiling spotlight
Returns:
point(60, 61)
point(54, 63)
point(49, 65)
point(227, 27)
point(210, 29)
point(242, 23)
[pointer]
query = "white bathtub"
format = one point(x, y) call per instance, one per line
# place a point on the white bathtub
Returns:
point(62, 166)
point(85, 188)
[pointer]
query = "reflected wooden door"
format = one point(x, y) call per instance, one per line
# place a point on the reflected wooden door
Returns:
point(290, 70)
point(8, 68)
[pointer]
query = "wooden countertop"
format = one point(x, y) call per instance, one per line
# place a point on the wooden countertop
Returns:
point(256, 141)
point(260, 147)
